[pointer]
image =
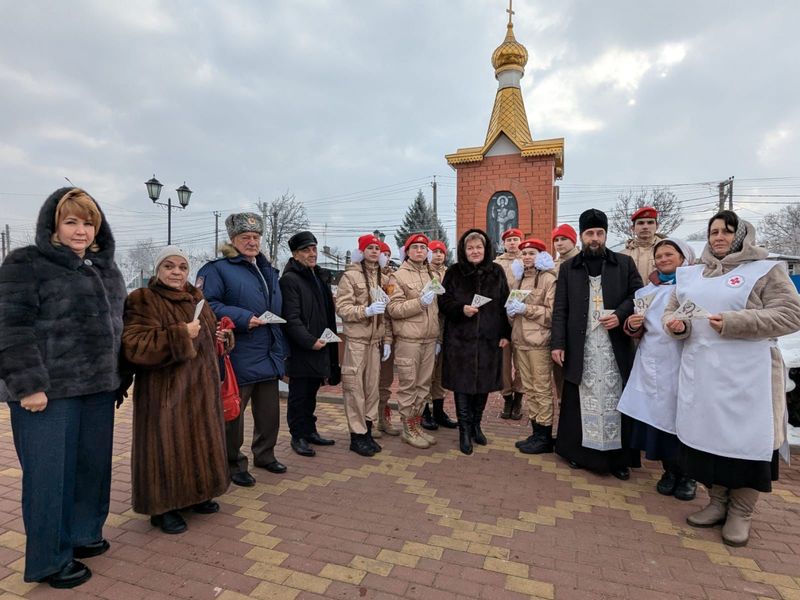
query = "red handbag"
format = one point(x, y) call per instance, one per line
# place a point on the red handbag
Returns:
point(229, 390)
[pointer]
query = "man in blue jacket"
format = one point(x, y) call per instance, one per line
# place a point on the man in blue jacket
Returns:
point(243, 285)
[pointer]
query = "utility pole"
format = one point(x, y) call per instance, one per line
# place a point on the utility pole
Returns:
point(3, 244)
point(8, 239)
point(274, 254)
point(217, 215)
point(433, 185)
point(726, 193)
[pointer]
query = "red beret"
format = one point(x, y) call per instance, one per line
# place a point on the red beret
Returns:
point(646, 212)
point(512, 232)
point(437, 245)
point(385, 248)
point(367, 240)
point(416, 238)
point(566, 231)
point(533, 243)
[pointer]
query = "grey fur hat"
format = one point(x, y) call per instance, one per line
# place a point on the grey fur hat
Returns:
point(244, 223)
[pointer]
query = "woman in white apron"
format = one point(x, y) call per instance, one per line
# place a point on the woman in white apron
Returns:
point(731, 413)
point(651, 394)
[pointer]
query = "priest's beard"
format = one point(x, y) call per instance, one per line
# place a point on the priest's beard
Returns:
point(598, 250)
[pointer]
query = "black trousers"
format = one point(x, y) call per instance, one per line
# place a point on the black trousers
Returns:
point(301, 404)
point(263, 398)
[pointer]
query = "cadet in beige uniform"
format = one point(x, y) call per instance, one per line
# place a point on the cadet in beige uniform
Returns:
point(512, 387)
point(644, 223)
point(564, 240)
point(385, 424)
point(415, 325)
point(435, 416)
point(364, 332)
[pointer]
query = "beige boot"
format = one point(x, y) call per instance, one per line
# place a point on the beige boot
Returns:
point(716, 510)
point(385, 423)
point(411, 434)
point(736, 530)
point(422, 433)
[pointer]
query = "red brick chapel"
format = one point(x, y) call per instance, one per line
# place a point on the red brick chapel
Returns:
point(509, 181)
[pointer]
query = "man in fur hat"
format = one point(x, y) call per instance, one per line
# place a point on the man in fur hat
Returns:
point(243, 285)
point(594, 296)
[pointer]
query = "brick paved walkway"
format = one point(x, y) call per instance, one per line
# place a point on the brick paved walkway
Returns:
point(426, 525)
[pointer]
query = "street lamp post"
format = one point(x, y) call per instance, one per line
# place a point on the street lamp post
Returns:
point(154, 191)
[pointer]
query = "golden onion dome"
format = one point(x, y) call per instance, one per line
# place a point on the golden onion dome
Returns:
point(510, 55)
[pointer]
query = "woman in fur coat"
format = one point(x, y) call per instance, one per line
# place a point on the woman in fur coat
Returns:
point(178, 459)
point(61, 305)
point(474, 337)
point(731, 412)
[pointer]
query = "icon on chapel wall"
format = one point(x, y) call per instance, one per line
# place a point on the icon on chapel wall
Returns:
point(501, 214)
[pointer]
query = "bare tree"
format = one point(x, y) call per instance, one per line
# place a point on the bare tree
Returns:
point(780, 231)
point(283, 217)
point(698, 236)
point(138, 262)
point(662, 199)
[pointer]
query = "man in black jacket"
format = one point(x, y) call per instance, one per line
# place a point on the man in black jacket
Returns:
point(308, 309)
point(594, 296)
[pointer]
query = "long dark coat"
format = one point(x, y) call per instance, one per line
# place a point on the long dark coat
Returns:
point(620, 280)
point(308, 309)
point(472, 358)
point(178, 429)
point(60, 315)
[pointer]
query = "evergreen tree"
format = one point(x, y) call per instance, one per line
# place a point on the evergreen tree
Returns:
point(420, 218)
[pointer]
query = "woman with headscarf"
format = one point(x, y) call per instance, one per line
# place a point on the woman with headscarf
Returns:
point(178, 460)
point(651, 394)
point(474, 336)
point(61, 303)
point(731, 417)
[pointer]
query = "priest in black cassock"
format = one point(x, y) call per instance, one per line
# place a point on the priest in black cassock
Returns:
point(594, 296)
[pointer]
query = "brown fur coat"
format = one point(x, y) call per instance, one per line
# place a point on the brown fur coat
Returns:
point(178, 429)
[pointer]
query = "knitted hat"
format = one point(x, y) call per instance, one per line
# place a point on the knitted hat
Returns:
point(385, 249)
point(166, 252)
point(244, 223)
point(591, 219)
point(512, 232)
point(302, 239)
point(437, 245)
point(533, 243)
point(566, 231)
point(646, 212)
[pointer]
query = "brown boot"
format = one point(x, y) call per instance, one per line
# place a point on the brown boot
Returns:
point(385, 423)
point(715, 512)
point(736, 530)
point(411, 434)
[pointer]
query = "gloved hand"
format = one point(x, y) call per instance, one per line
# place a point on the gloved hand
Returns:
point(519, 307)
point(511, 311)
point(438, 349)
point(427, 298)
point(376, 308)
point(387, 352)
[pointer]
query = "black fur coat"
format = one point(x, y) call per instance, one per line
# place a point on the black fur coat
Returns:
point(472, 358)
point(60, 315)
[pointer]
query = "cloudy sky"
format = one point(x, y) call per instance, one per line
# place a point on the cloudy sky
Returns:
point(352, 104)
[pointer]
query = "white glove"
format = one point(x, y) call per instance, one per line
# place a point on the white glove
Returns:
point(544, 262)
point(438, 349)
point(387, 352)
point(515, 307)
point(510, 310)
point(427, 298)
point(376, 308)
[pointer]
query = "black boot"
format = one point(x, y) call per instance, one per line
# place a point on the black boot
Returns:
point(464, 422)
point(508, 404)
point(427, 419)
point(440, 416)
point(360, 445)
point(516, 406)
point(685, 489)
point(528, 439)
point(478, 405)
point(542, 442)
point(376, 447)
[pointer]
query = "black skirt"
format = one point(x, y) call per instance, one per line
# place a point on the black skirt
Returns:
point(570, 438)
point(711, 469)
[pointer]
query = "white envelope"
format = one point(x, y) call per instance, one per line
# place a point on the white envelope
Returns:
point(517, 295)
point(640, 305)
point(378, 295)
point(478, 300)
point(596, 316)
point(197, 309)
point(271, 318)
point(329, 336)
point(688, 310)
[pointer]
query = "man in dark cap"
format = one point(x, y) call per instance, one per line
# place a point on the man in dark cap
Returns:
point(308, 309)
point(594, 296)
